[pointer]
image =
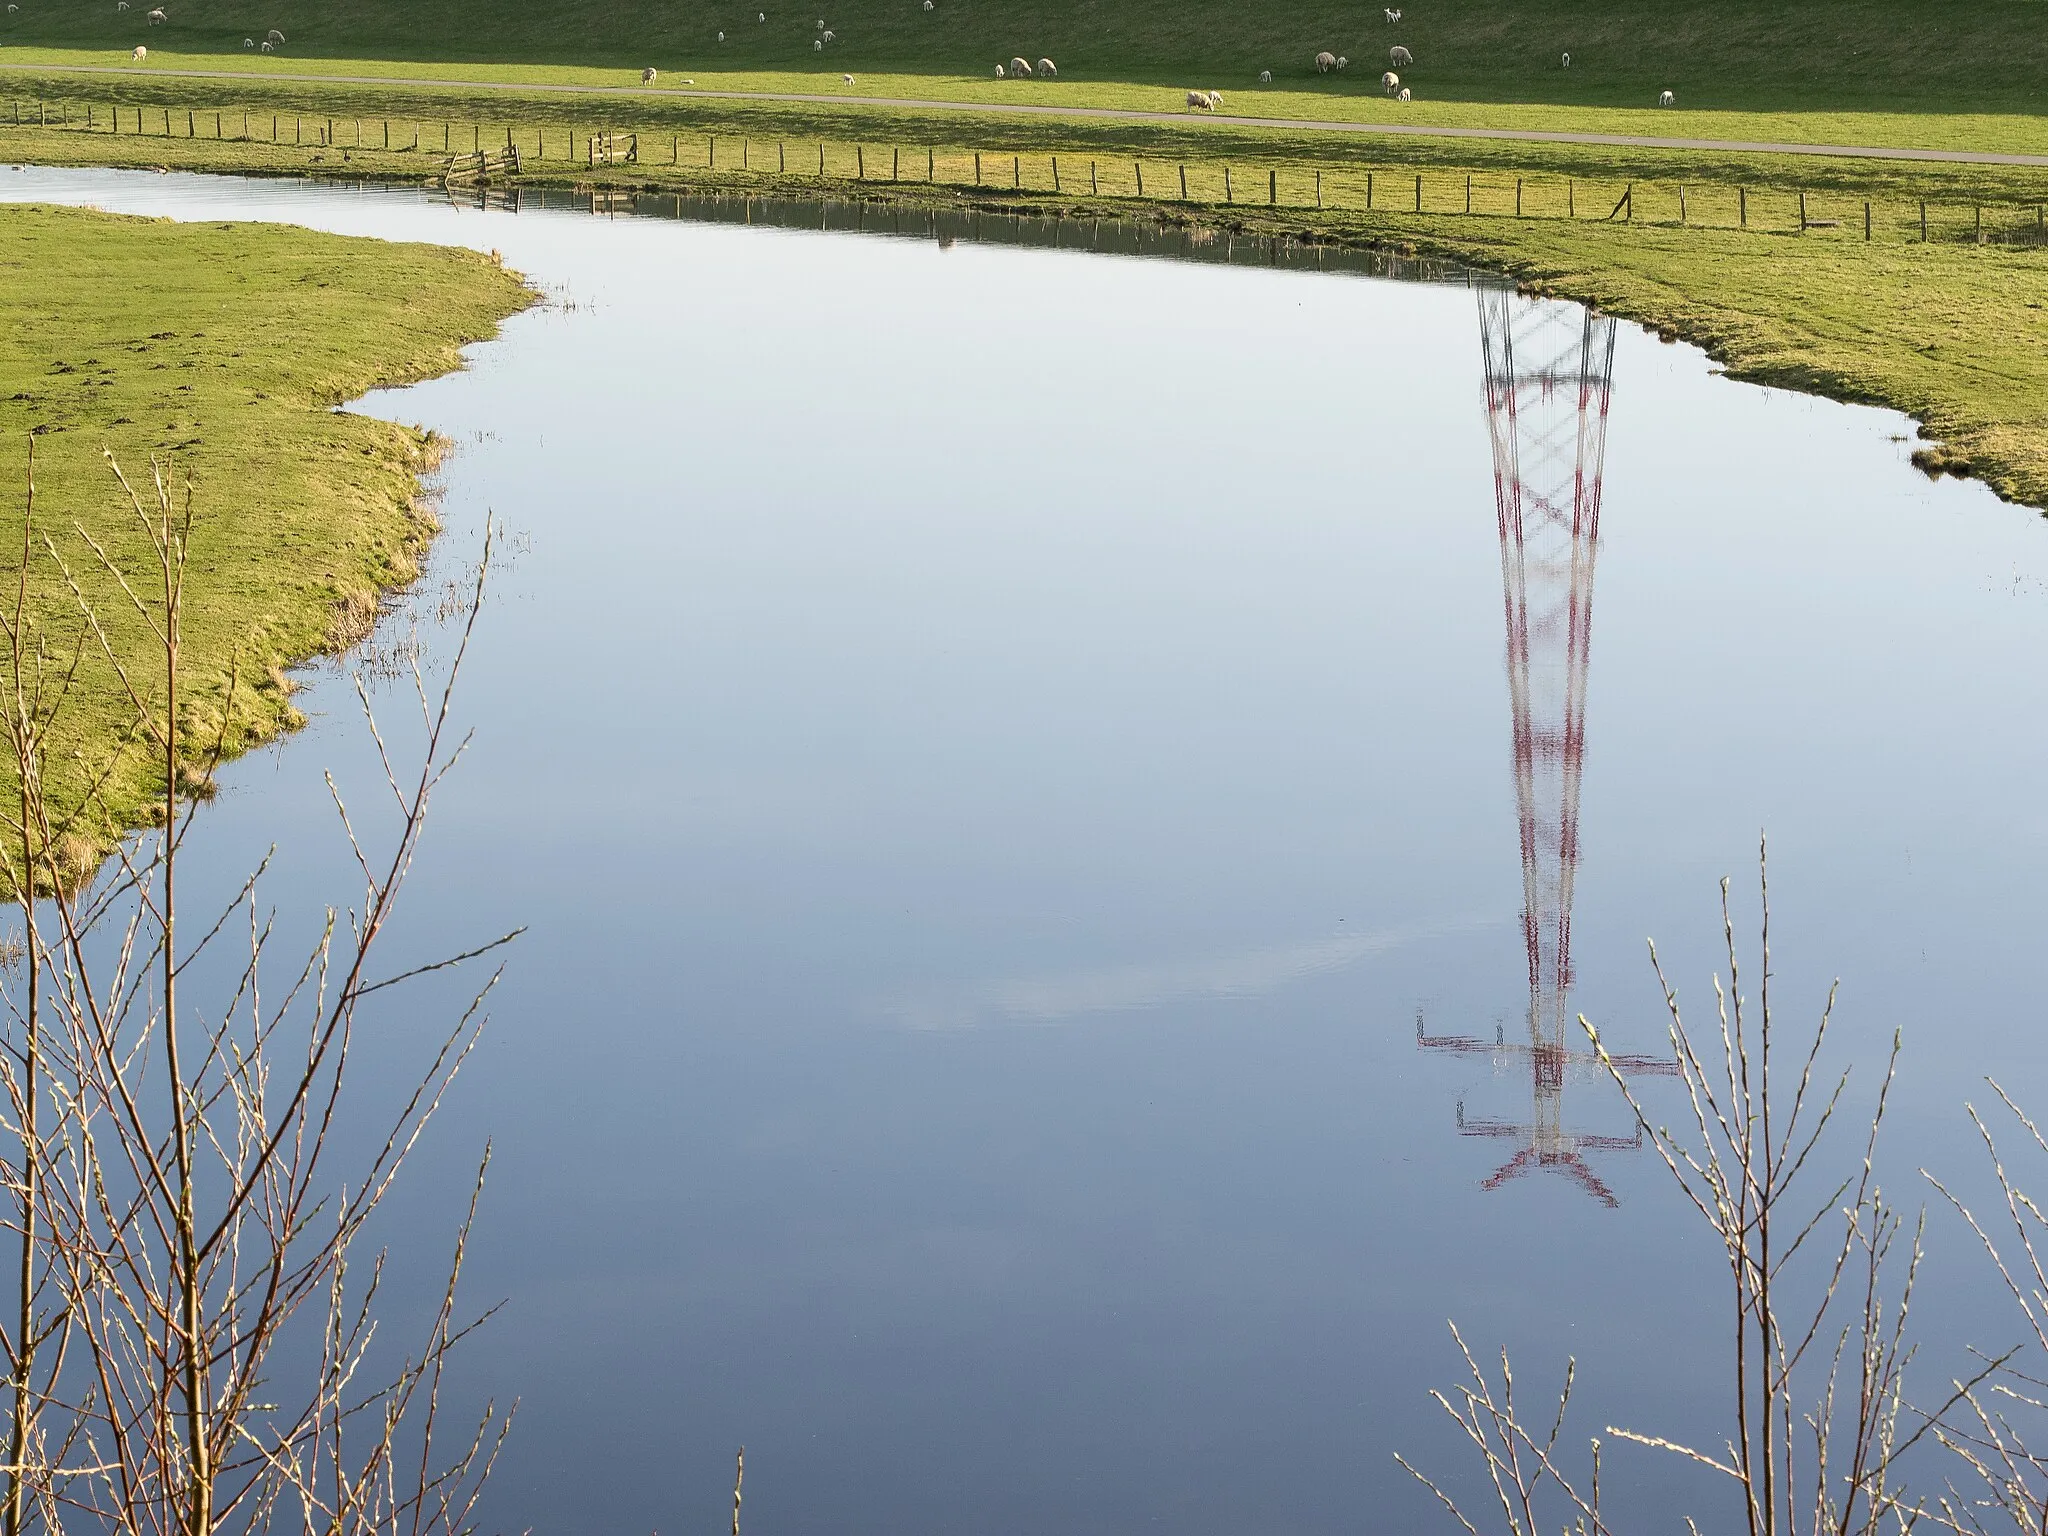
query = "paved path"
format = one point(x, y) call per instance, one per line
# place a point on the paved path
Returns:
point(1124, 114)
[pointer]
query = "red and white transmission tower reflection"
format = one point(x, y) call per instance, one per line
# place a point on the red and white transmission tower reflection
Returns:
point(1549, 376)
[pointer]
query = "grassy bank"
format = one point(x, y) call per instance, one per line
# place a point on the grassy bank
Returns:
point(220, 350)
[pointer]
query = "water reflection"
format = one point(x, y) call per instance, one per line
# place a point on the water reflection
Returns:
point(1549, 381)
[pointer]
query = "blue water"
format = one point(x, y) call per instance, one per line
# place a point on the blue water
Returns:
point(996, 747)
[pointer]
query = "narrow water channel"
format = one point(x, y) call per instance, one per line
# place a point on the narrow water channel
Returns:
point(1026, 753)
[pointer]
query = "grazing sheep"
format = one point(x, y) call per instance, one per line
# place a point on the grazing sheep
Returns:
point(1392, 17)
point(268, 47)
point(1391, 81)
point(1397, 55)
point(1215, 101)
point(120, 5)
point(248, 42)
point(12, 9)
point(818, 43)
point(927, 4)
point(847, 78)
point(1666, 99)
point(1019, 67)
point(1265, 77)
point(1342, 62)
point(1199, 100)
point(999, 71)
point(1045, 68)
point(275, 38)
point(721, 37)
point(141, 54)
point(1567, 61)
point(1406, 94)
point(831, 36)
point(1325, 62)
point(761, 16)
point(157, 18)
point(647, 76)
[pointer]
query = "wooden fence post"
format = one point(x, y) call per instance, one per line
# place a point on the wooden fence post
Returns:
point(1094, 187)
point(977, 167)
point(1016, 173)
point(1802, 211)
point(1923, 221)
point(1368, 190)
point(931, 163)
point(1229, 196)
point(1866, 219)
point(746, 158)
point(1418, 192)
point(1681, 206)
point(711, 151)
point(1055, 173)
point(1183, 182)
point(1468, 193)
point(1571, 198)
point(1139, 166)
point(1319, 185)
point(1742, 203)
point(1272, 187)
point(821, 157)
point(1518, 197)
point(860, 163)
point(896, 165)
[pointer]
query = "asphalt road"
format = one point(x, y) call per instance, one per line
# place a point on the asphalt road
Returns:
point(1124, 114)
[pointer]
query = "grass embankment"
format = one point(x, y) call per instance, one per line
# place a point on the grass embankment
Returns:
point(1950, 331)
point(221, 350)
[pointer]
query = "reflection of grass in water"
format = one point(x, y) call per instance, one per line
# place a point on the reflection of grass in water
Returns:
point(222, 348)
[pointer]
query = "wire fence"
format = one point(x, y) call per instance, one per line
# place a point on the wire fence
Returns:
point(474, 148)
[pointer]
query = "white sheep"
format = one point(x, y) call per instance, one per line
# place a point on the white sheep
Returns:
point(141, 54)
point(12, 9)
point(761, 16)
point(268, 47)
point(1567, 61)
point(1325, 62)
point(1666, 99)
point(1391, 81)
point(1406, 94)
point(1392, 17)
point(1199, 100)
point(647, 76)
point(1019, 67)
point(120, 5)
point(1215, 101)
point(248, 42)
point(831, 36)
point(928, 4)
point(1397, 55)
point(721, 37)
point(1265, 77)
point(847, 78)
point(821, 26)
point(1342, 62)
point(999, 71)
point(1045, 68)
point(157, 18)
point(276, 38)
point(818, 43)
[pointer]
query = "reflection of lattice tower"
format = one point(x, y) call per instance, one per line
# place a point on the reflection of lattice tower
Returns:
point(1549, 368)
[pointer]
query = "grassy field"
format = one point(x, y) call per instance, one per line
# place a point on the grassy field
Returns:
point(220, 350)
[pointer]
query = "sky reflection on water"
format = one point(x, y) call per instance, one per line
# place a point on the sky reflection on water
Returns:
point(997, 747)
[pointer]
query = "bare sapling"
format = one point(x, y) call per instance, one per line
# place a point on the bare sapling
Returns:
point(1820, 1277)
point(193, 1349)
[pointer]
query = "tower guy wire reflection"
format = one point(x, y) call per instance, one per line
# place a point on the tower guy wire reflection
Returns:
point(1549, 379)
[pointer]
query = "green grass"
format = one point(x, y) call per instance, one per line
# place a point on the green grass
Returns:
point(220, 351)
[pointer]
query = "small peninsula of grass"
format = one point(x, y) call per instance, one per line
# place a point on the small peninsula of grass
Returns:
point(220, 350)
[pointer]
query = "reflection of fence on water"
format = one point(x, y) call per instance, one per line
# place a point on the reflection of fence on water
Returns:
point(1549, 380)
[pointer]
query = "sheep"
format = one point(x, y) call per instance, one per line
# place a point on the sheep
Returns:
point(1399, 56)
point(1391, 82)
point(761, 16)
point(830, 36)
point(1392, 17)
point(847, 78)
point(1342, 62)
point(12, 9)
point(248, 42)
point(721, 37)
point(1666, 99)
point(1567, 61)
point(999, 71)
point(928, 4)
point(818, 43)
point(1045, 68)
point(1199, 101)
point(141, 54)
point(120, 5)
point(157, 18)
point(821, 26)
point(268, 47)
point(276, 38)
point(1265, 77)
point(647, 76)
point(1325, 62)
point(1019, 67)
point(1406, 94)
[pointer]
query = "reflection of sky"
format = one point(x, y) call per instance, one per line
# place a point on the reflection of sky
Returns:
point(991, 630)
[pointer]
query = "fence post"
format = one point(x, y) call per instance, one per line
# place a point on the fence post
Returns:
point(746, 147)
point(1468, 193)
point(1139, 166)
point(1681, 206)
point(1319, 186)
point(1418, 192)
point(1055, 173)
point(1272, 188)
point(1518, 197)
point(896, 164)
point(821, 157)
point(860, 163)
point(1571, 198)
point(977, 167)
point(1923, 221)
point(1094, 187)
point(1183, 182)
point(1016, 173)
point(1229, 196)
point(1742, 203)
point(1368, 190)
point(931, 163)
point(1866, 218)
point(711, 151)
point(1802, 211)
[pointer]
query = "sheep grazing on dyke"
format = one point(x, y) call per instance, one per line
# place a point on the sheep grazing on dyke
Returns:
point(1399, 57)
point(1567, 61)
point(999, 71)
point(847, 78)
point(1406, 95)
point(275, 38)
point(721, 37)
point(1325, 62)
point(1045, 68)
point(831, 36)
point(928, 4)
point(647, 76)
point(141, 53)
point(268, 47)
point(120, 5)
point(1020, 67)
point(818, 43)
point(1199, 101)
point(761, 16)
point(1391, 82)
point(248, 42)
point(158, 18)
point(1666, 99)
point(1342, 62)
point(1392, 17)
point(1265, 77)
point(1215, 101)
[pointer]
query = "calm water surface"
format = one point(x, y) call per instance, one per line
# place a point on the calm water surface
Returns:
point(1008, 762)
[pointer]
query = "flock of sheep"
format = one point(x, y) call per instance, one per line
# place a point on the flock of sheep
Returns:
point(159, 16)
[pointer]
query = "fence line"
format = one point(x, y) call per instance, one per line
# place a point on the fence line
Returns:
point(1289, 184)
